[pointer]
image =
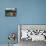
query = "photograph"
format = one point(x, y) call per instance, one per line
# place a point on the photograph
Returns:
point(33, 32)
point(10, 12)
point(29, 34)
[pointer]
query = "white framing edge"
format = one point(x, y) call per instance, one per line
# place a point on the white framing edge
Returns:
point(18, 33)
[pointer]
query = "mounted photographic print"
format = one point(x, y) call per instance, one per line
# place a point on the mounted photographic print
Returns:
point(12, 38)
point(10, 12)
point(32, 32)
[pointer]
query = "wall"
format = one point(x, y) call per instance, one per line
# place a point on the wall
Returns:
point(28, 12)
